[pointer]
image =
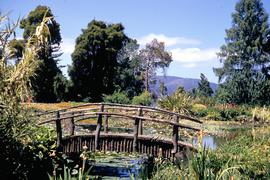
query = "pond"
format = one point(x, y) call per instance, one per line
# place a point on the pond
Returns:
point(120, 165)
point(209, 141)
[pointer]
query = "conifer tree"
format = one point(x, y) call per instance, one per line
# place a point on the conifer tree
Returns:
point(245, 72)
point(204, 88)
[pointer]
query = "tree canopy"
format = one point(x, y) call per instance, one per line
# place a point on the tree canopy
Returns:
point(245, 71)
point(153, 57)
point(94, 60)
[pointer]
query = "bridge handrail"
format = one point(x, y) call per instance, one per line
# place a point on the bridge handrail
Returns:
point(123, 115)
point(146, 108)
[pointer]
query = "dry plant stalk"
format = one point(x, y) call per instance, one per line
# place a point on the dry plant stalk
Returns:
point(15, 84)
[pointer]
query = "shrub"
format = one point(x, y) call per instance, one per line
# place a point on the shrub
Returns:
point(144, 99)
point(179, 102)
point(117, 97)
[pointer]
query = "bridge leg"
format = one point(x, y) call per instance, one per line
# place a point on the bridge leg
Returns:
point(135, 131)
point(135, 139)
point(106, 125)
point(99, 124)
point(72, 125)
point(58, 132)
point(140, 122)
point(175, 137)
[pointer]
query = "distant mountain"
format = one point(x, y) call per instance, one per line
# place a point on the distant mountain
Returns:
point(173, 82)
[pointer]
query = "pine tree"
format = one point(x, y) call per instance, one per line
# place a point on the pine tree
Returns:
point(245, 72)
point(204, 88)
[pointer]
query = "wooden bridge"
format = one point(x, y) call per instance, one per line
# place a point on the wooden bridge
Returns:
point(140, 118)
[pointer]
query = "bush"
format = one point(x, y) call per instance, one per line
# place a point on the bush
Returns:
point(179, 102)
point(201, 113)
point(144, 99)
point(117, 97)
point(222, 112)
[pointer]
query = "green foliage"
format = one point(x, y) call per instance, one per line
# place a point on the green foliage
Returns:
point(250, 151)
point(167, 170)
point(128, 76)
point(179, 102)
point(222, 113)
point(61, 87)
point(144, 99)
point(94, 60)
point(198, 167)
point(245, 71)
point(204, 88)
point(43, 83)
point(117, 97)
point(16, 126)
point(71, 174)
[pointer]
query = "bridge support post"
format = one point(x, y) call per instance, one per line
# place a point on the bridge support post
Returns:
point(175, 137)
point(140, 122)
point(72, 125)
point(106, 125)
point(58, 132)
point(99, 124)
point(135, 131)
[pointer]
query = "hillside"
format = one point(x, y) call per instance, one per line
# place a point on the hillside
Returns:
point(173, 82)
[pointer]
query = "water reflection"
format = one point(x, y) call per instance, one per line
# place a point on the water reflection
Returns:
point(209, 141)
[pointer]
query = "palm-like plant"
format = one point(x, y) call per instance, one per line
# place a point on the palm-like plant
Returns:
point(179, 102)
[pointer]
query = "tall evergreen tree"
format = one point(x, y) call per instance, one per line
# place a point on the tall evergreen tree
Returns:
point(204, 88)
point(245, 72)
point(48, 71)
point(94, 60)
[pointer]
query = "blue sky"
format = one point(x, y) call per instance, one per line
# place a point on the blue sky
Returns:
point(193, 30)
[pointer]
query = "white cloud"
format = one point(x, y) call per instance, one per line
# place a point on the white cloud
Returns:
point(191, 57)
point(68, 45)
point(169, 41)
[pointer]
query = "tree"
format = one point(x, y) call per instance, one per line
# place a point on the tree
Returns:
point(153, 57)
point(48, 54)
point(16, 47)
point(204, 88)
point(128, 76)
point(163, 91)
point(245, 72)
point(94, 60)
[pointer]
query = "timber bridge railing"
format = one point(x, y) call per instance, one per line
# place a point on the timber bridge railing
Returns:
point(70, 140)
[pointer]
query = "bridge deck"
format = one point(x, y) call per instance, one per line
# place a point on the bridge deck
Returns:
point(150, 145)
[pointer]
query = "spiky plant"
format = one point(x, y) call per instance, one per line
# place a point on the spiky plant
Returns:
point(179, 102)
